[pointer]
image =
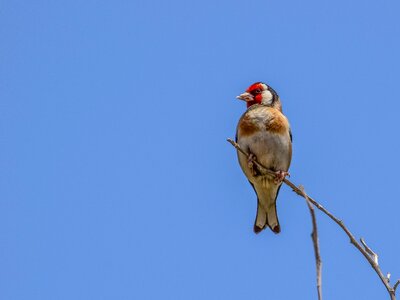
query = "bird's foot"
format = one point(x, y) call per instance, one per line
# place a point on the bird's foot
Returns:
point(280, 175)
point(252, 166)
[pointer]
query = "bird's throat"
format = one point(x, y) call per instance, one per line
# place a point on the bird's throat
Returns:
point(250, 103)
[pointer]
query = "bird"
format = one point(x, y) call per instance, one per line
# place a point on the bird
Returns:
point(263, 131)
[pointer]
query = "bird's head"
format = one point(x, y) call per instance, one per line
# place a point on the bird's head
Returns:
point(260, 93)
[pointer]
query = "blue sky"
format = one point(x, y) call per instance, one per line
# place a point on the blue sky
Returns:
point(116, 179)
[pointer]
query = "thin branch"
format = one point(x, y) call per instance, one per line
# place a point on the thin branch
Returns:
point(370, 252)
point(314, 236)
point(396, 285)
point(353, 241)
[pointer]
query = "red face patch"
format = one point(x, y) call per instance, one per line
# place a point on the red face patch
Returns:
point(255, 89)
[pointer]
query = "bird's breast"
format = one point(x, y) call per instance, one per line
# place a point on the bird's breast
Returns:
point(262, 119)
point(264, 132)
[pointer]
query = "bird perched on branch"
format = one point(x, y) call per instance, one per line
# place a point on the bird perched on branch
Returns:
point(264, 133)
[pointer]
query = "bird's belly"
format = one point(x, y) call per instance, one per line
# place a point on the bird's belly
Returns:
point(272, 150)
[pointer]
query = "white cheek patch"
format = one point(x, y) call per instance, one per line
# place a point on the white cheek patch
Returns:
point(267, 97)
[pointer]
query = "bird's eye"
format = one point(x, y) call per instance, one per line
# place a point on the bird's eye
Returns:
point(257, 91)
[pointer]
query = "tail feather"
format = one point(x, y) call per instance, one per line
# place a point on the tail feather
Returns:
point(266, 207)
point(272, 217)
point(266, 218)
point(261, 219)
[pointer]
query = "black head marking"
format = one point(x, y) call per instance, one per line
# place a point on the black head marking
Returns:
point(275, 96)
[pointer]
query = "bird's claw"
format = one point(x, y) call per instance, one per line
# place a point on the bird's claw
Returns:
point(250, 163)
point(280, 175)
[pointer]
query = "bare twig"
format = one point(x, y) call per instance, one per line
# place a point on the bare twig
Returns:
point(369, 251)
point(391, 290)
point(396, 285)
point(314, 236)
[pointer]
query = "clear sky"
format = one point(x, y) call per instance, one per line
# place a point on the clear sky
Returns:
point(116, 180)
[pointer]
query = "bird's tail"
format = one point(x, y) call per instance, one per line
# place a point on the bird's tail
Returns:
point(266, 218)
point(266, 210)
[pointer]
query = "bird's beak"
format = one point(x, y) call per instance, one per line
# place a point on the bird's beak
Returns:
point(245, 97)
